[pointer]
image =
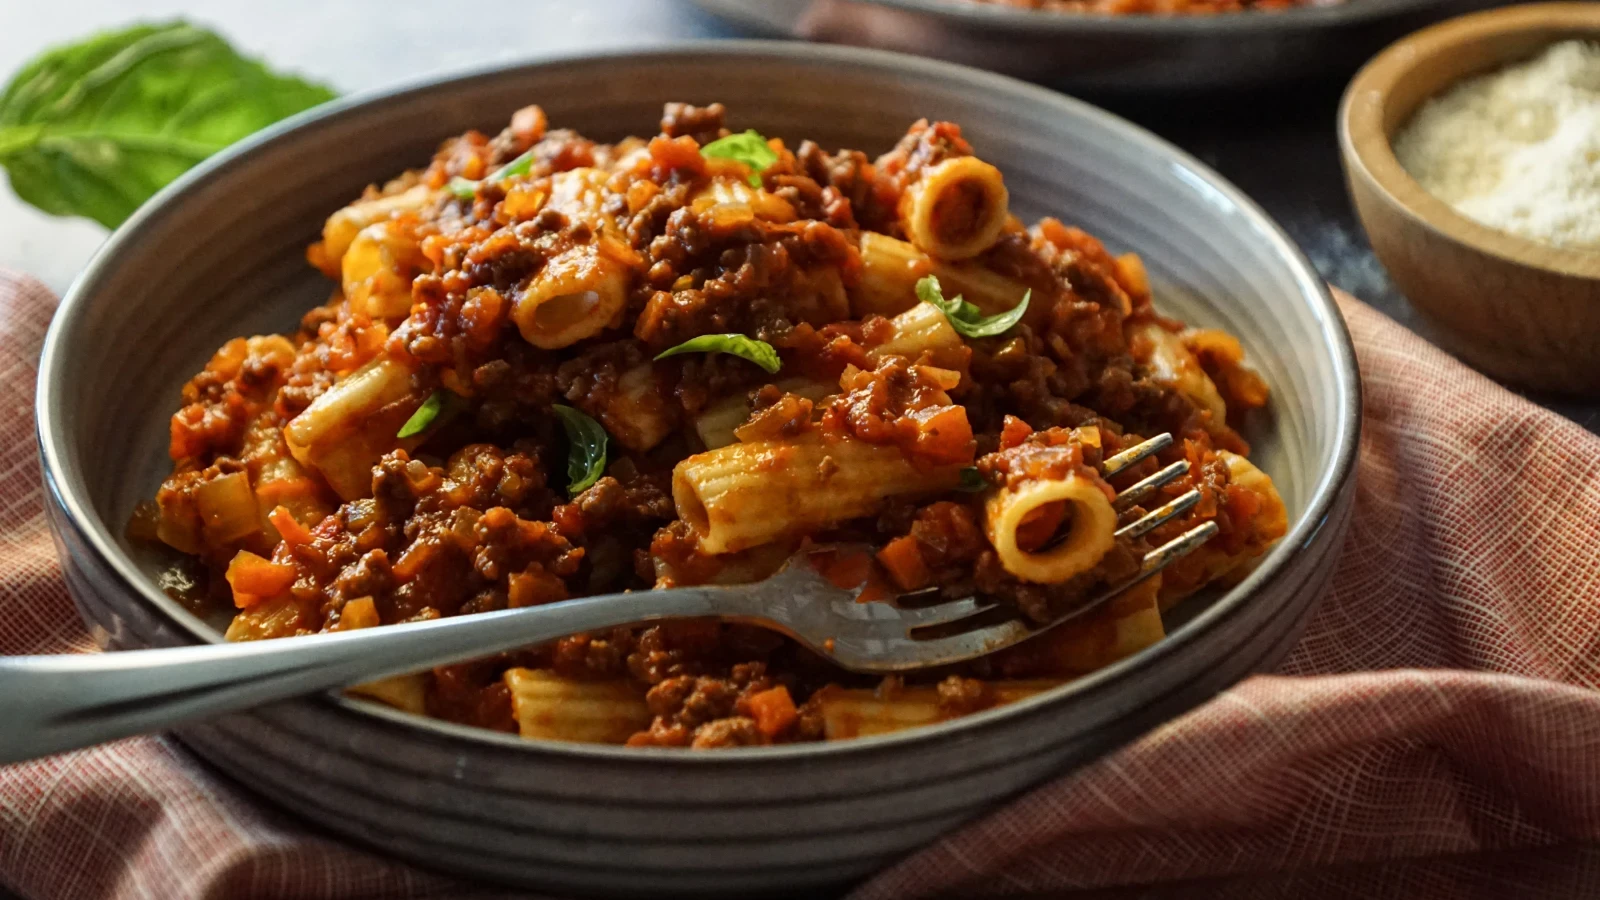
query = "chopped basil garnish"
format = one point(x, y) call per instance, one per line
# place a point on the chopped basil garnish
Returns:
point(466, 188)
point(749, 148)
point(425, 415)
point(586, 458)
point(971, 480)
point(758, 352)
point(966, 319)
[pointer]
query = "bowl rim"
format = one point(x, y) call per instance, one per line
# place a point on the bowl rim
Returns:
point(1322, 501)
point(1368, 148)
point(1011, 19)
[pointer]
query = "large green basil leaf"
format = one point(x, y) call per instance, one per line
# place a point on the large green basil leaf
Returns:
point(94, 128)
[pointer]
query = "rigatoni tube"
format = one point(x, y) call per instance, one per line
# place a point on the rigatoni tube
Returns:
point(550, 707)
point(1260, 524)
point(576, 295)
point(635, 414)
point(745, 495)
point(891, 268)
point(341, 228)
point(732, 193)
point(1171, 364)
point(377, 271)
point(921, 329)
point(1077, 501)
point(716, 423)
point(860, 712)
point(344, 432)
point(956, 209)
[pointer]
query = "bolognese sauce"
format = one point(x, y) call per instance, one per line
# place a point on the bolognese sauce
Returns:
point(554, 367)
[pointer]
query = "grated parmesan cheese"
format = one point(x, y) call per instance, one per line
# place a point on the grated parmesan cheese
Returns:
point(1517, 149)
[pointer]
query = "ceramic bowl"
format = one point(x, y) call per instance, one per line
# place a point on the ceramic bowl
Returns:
point(1180, 54)
point(1522, 311)
point(220, 253)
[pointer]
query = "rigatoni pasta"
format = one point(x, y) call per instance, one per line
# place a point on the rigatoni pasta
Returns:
point(747, 494)
point(347, 429)
point(922, 329)
point(891, 268)
point(859, 712)
point(576, 295)
point(550, 707)
point(716, 424)
point(551, 367)
point(1023, 522)
point(955, 210)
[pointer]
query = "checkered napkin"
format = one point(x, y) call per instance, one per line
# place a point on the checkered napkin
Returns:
point(1435, 734)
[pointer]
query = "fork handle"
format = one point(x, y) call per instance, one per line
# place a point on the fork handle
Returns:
point(53, 703)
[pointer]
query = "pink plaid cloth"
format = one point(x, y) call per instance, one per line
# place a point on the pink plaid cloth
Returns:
point(1435, 734)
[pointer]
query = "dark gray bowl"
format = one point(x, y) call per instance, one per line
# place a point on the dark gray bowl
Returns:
point(1109, 53)
point(219, 254)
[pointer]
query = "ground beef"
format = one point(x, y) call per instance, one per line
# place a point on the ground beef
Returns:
point(963, 696)
point(703, 123)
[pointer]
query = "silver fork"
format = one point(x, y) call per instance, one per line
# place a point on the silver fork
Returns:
point(54, 703)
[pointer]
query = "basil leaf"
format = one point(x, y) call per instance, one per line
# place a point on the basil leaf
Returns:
point(466, 189)
point(423, 418)
point(971, 480)
point(95, 128)
point(759, 352)
point(967, 319)
point(749, 148)
point(586, 458)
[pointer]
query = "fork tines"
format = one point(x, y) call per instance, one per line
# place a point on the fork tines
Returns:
point(1154, 561)
point(1141, 490)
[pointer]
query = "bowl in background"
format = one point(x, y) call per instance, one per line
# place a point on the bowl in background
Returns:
point(1129, 53)
point(208, 259)
point(1522, 311)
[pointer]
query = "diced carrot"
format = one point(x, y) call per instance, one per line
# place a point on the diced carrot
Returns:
point(1013, 432)
point(414, 559)
point(528, 124)
point(358, 613)
point(1131, 275)
point(534, 587)
point(254, 578)
point(289, 529)
point(944, 435)
point(902, 558)
point(773, 709)
point(640, 193)
point(1245, 388)
point(285, 489)
point(453, 382)
point(522, 201)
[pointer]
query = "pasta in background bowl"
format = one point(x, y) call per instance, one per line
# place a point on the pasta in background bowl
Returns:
point(1174, 46)
point(198, 268)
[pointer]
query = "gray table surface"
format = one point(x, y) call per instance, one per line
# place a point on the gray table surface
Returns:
point(1280, 148)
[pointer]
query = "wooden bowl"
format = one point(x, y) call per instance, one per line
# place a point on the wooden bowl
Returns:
point(1520, 310)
